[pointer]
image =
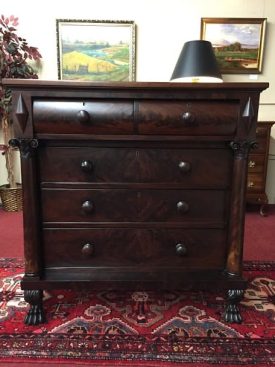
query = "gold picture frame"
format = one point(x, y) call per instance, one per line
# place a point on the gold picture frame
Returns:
point(238, 43)
point(96, 50)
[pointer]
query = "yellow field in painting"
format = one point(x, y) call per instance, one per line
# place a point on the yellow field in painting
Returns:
point(77, 62)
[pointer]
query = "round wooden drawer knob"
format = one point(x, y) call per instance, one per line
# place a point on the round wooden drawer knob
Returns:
point(182, 207)
point(88, 249)
point(181, 249)
point(184, 166)
point(87, 206)
point(83, 116)
point(188, 117)
point(86, 166)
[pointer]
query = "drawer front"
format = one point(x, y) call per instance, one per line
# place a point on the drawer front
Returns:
point(134, 247)
point(261, 145)
point(262, 131)
point(83, 117)
point(190, 167)
point(255, 182)
point(121, 205)
point(256, 163)
point(188, 118)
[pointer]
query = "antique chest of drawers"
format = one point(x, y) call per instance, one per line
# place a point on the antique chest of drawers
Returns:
point(135, 185)
point(257, 167)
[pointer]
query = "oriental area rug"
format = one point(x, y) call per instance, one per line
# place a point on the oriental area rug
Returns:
point(109, 328)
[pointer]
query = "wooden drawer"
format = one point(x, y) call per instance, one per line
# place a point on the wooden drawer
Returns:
point(188, 117)
point(256, 163)
point(83, 117)
point(261, 145)
point(263, 131)
point(109, 247)
point(121, 205)
point(255, 182)
point(190, 167)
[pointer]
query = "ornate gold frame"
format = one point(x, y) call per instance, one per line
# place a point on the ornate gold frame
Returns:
point(228, 35)
point(96, 50)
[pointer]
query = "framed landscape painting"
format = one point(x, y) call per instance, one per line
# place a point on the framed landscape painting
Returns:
point(238, 43)
point(95, 50)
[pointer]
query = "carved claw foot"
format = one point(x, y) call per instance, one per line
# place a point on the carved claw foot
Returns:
point(263, 210)
point(35, 315)
point(232, 313)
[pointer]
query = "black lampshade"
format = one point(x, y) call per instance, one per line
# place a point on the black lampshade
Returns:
point(197, 63)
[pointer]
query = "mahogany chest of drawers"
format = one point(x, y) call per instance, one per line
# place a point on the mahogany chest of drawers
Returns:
point(135, 185)
point(257, 167)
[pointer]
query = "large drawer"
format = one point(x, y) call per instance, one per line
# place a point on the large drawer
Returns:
point(177, 248)
point(188, 117)
point(83, 117)
point(190, 167)
point(122, 205)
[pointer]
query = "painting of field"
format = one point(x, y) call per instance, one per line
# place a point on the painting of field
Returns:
point(238, 46)
point(96, 52)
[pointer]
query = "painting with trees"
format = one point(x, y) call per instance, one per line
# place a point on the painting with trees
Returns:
point(238, 43)
point(93, 50)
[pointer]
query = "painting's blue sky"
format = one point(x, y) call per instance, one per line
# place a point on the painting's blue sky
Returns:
point(223, 34)
point(93, 32)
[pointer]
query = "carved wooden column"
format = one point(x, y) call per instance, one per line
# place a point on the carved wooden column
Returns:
point(234, 260)
point(32, 229)
point(31, 214)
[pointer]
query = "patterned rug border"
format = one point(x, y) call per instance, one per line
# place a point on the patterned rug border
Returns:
point(143, 348)
point(258, 265)
point(250, 265)
point(11, 262)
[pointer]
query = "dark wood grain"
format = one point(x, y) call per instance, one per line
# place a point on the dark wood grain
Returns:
point(136, 248)
point(120, 205)
point(203, 117)
point(208, 167)
point(31, 205)
point(114, 117)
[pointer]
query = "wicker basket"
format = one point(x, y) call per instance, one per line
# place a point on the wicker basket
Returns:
point(11, 198)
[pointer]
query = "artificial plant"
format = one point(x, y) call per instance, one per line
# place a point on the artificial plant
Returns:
point(15, 55)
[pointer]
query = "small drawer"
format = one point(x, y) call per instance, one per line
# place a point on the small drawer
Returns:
point(189, 167)
point(122, 205)
point(130, 247)
point(261, 144)
point(255, 182)
point(262, 131)
point(188, 117)
point(256, 163)
point(83, 117)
